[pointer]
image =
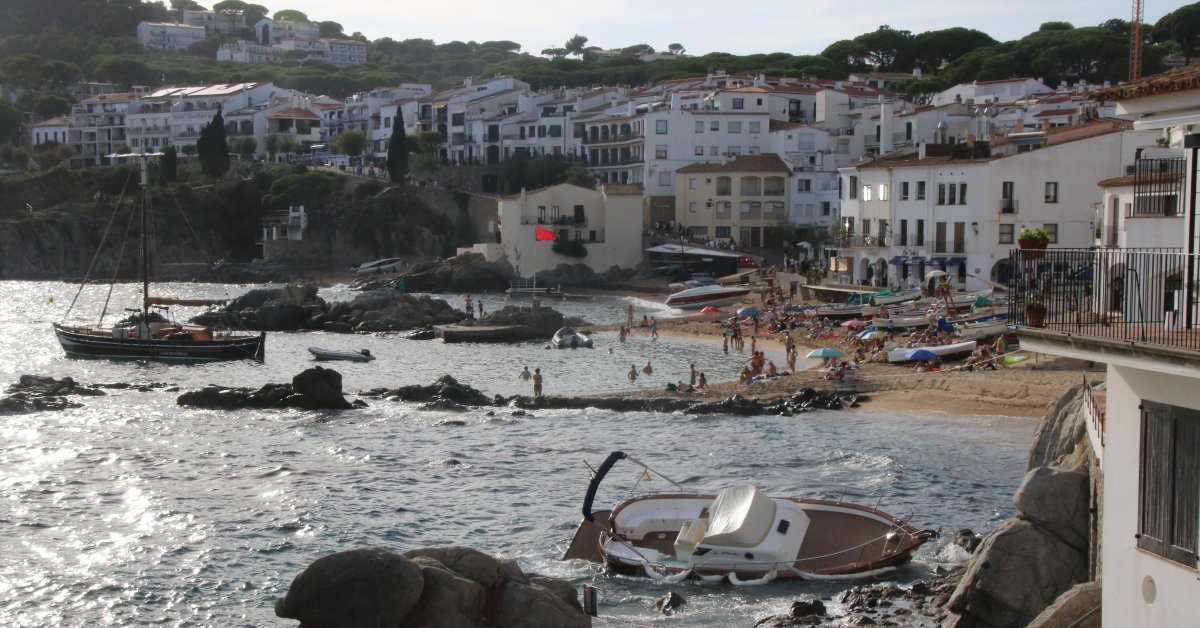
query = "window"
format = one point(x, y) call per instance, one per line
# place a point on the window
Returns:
point(745, 207)
point(714, 125)
point(1052, 231)
point(753, 150)
point(953, 197)
point(724, 186)
point(903, 233)
point(1006, 190)
point(693, 207)
point(664, 178)
point(660, 151)
point(825, 208)
point(555, 130)
point(734, 127)
point(853, 187)
point(739, 103)
point(713, 151)
point(883, 191)
point(723, 232)
point(734, 150)
point(1169, 486)
point(699, 126)
point(756, 127)
point(1006, 233)
point(866, 193)
point(941, 194)
point(541, 214)
point(962, 193)
point(751, 186)
point(866, 226)
point(904, 190)
point(660, 127)
point(804, 185)
point(773, 186)
point(698, 151)
point(920, 232)
point(1051, 191)
point(920, 190)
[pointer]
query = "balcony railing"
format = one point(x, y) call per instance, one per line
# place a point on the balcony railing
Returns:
point(1008, 206)
point(620, 137)
point(1143, 296)
point(860, 241)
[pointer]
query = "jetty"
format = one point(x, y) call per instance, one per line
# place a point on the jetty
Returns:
point(484, 333)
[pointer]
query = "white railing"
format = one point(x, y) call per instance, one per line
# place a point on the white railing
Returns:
point(1095, 406)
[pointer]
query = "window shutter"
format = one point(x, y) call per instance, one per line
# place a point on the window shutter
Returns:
point(1155, 506)
point(1169, 500)
point(1186, 484)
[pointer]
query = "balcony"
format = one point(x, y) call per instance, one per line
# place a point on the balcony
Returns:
point(1112, 299)
point(612, 139)
point(860, 242)
point(1008, 206)
point(560, 221)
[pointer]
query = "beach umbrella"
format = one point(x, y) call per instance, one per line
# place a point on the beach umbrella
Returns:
point(854, 323)
point(873, 334)
point(749, 311)
point(710, 310)
point(935, 273)
point(825, 352)
point(921, 354)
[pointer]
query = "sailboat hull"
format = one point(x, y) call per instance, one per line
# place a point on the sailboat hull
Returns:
point(90, 342)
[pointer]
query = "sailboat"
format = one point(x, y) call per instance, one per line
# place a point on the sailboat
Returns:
point(146, 336)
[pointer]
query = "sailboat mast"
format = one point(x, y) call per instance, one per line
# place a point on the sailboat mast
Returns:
point(145, 185)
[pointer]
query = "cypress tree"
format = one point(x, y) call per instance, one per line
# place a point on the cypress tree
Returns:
point(397, 154)
point(212, 148)
point(170, 164)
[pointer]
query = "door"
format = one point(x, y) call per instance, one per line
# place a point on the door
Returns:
point(939, 237)
point(960, 237)
point(744, 238)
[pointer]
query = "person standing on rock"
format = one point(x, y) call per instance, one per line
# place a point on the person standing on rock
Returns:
point(525, 374)
point(692, 378)
point(537, 382)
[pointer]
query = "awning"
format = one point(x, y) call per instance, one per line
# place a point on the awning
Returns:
point(675, 249)
point(1162, 121)
point(956, 261)
point(937, 260)
point(916, 259)
point(899, 259)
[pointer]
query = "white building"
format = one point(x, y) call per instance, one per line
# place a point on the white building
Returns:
point(1140, 317)
point(1003, 91)
point(52, 131)
point(167, 36)
point(608, 223)
point(175, 115)
point(215, 21)
point(98, 127)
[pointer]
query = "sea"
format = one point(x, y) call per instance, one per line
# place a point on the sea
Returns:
point(134, 511)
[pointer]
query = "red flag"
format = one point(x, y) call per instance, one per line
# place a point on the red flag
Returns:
point(542, 233)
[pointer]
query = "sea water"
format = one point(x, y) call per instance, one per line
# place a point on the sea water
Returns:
point(134, 511)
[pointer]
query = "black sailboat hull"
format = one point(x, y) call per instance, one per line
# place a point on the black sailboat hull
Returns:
point(85, 343)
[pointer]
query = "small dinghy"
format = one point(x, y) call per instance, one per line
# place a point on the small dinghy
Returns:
point(362, 355)
point(571, 338)
point(739, 534)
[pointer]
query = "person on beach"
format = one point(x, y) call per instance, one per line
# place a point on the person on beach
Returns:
point(525, 375)
point(771, 370)
point(725, 343)
point(537, 382)
point(633, 373)
point(621, 335)
point(645, 320)
point(753, 344)
point(692, 374)
point(791, 361)
point(480, 308)
point(647, 369)
point(702, 384)
point(629, 315)
point(653, 328)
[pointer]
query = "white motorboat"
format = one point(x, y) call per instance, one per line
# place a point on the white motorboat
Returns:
point(982, 329)
point(362, 355)
point(378, 267)
point(570, 338)
point(704, 296)
point(739, 534)
point(896, 298)
point(905, 354)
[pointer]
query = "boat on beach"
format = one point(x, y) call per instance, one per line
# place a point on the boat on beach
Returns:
point(905, 354)
point(377, 267)
point(896, 298)
point(362, 355)
point(570, 338)
point(740, 535)
point(704, 296)
point(147, 335)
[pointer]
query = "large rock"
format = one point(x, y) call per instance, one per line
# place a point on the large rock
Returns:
point(366, 587)
point(1057, 500)
point(322, 386)
point(1018, 570)
point(37, 393)
point(469, 272)
point(1060, 432)
point(448, 599)
point(1077, 608)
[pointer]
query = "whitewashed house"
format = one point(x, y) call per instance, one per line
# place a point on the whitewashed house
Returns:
point(168, 36)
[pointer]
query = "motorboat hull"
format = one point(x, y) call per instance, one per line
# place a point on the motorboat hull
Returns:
point(901, 354)
point(569, 338)
point(91, 342)
point(704, 296)
point(346, 356)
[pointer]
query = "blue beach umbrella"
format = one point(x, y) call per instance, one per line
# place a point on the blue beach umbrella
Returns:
point(921, 354)
point(749, 311)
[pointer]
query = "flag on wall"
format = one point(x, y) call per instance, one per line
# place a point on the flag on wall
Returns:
point(542, 233)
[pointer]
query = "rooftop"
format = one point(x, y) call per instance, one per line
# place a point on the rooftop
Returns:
point(744, 163)
point(1178, 80)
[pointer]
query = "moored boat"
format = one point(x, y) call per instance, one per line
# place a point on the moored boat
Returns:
point(703, 296)
point(739, 534)
point(362, 355)
point(905, 354)
point(571, 338)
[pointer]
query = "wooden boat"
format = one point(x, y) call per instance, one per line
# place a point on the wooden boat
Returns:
point(148, 336)
point(377, 267)
point(362, 355)
point(704, 296)
point(570, 338)
point(739, 534)
point(978, 330)
point(904, 354)
point(895, 298)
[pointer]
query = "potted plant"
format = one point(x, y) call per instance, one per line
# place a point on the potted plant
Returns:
point(1035, 312)
point(1033, 243)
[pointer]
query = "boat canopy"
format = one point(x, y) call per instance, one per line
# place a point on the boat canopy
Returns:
point(740, 516)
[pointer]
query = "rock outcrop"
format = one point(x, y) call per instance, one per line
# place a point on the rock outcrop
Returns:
point(1031, 559)
point(35, 393)
point(468, 272)
point(316, 388)
point(450, 587)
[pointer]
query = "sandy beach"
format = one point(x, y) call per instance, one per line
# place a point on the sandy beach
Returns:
point(1022, 390)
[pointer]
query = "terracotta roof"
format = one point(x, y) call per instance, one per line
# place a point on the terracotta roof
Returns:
point(1130, 179)
point(622, 189)
point(743, 163)
point(119, 97)
point(1178, 80)
point(295, 113)
point(58, 121)
point(1051, 113)
point(328, 105)
point(780, 125)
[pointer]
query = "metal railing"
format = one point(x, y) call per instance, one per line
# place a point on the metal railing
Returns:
point(1143, 296)
point(1096, 408)
point(859, 241)
point(1008, 206)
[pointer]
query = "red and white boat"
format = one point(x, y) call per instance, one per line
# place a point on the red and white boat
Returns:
point(704, 296)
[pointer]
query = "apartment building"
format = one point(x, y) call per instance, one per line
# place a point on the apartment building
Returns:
point(175, 115)
point(744, 199)
point(215, 21)
point(53, 131)
point(167, 36)
point(98, 128)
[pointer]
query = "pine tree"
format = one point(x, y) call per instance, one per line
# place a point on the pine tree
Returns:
point(212, 148)
point(397, 154)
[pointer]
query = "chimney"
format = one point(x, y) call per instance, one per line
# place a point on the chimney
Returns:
point(1046, 125)
point(885, 126)
point(1019, 127)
